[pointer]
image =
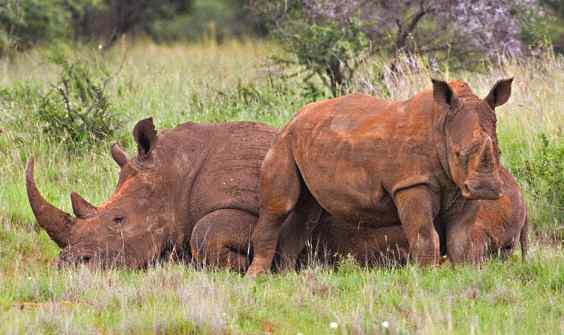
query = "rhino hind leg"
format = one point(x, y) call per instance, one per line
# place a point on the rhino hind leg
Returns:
point(221, 239)
point(297, 230)
point(280, 188)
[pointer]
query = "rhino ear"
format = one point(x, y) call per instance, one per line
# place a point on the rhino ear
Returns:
point(146, 136)
point(82, 208)
point(443, 94)
point(119, 155)
point(500, 93)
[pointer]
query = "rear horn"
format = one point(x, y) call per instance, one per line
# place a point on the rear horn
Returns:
point(119, 155)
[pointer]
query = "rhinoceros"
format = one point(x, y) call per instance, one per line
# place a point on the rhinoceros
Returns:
point(373, 162)
point(188, 190)
point(480, 230)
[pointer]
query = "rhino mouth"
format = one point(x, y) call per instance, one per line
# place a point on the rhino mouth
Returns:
point(482, 188)
point(92, 260)
point(67, 258)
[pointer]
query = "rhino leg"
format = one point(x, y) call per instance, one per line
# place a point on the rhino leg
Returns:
point(417, 207)
point(222, 239)
point(280, 187)
point(297, 230)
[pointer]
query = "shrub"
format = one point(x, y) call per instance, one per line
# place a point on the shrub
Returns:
point(76, 110)
point(544, 176)
point(323, 48)
point(330, 51)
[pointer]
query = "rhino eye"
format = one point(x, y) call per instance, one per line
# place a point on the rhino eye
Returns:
point(119, 219)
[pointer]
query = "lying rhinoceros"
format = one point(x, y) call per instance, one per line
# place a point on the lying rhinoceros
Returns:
point(189, 188)
point(484, 228)
point(373, 163)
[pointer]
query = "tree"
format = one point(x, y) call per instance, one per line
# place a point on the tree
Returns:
point(130, 15)
point(458, 30)
point(552, 24)
point(24, 23)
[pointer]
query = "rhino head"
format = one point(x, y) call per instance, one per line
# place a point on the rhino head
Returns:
point(132, 228)
point(469, 129)
point(489, 228)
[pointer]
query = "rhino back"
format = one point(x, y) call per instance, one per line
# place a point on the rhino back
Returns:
point(230, 174)
point(366, 149)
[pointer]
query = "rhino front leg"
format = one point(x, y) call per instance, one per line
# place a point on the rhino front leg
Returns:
point(222, 239)
point(417, 207)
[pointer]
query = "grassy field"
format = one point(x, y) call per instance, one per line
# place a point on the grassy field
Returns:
point(234, 81)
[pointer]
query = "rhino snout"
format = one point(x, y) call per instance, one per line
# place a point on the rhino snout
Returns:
point(482, 188)
point(67, 258)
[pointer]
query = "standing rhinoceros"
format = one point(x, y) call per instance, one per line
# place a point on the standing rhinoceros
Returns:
point(188, 189)
point(368, 161)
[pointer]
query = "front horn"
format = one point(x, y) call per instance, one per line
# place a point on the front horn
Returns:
point(55, 222)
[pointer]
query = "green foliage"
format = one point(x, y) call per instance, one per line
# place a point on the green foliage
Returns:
point(544, 172)
point(206, 19)
point(27, 22)
point(330, 51)
point(554, 23)
point(499, 298)
point(19, 103)
point(77, 111)
point(272, 102)
point(544, 30)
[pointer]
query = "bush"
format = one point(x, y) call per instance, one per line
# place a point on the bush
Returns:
point(544, 176)
point(330, 51)
point(76, 110)
point(546, 170)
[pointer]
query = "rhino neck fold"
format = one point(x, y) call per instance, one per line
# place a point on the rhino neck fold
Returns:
point(452, 195)
point(440, 142)
point(184, 218)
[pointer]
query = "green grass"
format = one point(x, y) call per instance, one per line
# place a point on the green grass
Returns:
point(507, 298)
point(233, 81)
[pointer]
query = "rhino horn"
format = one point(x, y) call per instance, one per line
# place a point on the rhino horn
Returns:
point(119, 155)
point(82, 208)
point(486, 163)
point(55, 222)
